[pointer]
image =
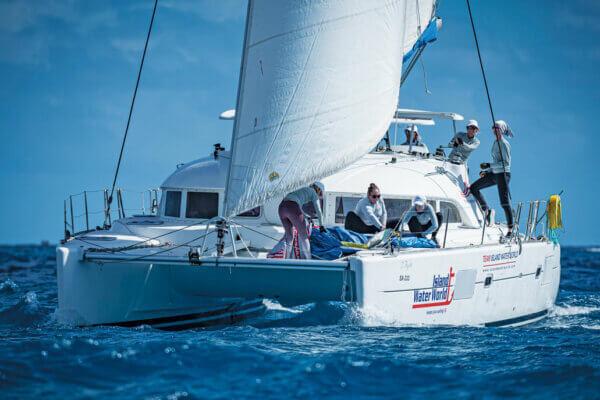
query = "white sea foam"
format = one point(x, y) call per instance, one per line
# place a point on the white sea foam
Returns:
point(593, 249)
point(275, 306)
point(573, 310)
point(8, 286)
point(593, 327)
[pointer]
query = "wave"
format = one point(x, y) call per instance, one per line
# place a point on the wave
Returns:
point(27, 312)
point(568, 310)
point(8, 286)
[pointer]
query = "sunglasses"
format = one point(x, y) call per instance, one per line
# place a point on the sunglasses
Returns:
point(471, 127)
point(375, 196)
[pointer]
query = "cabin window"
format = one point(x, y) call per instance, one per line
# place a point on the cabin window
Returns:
point(203, 205)
point(173, 204)
point(343, 205)
point(396, 208)
point(449, 210)
point(255, 212)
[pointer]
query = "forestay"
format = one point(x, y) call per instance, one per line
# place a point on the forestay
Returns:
point(318, 88)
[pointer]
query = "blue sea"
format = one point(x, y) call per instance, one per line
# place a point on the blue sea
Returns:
point(322, 350)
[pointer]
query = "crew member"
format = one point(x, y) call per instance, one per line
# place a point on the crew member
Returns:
point(369, 215)
point(464, 143)
point(422, 218)
point(416, 138)
point(497, 173)
point(292, 215)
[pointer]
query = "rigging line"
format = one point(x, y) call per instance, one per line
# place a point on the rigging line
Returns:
point(137, 83)
point(161, 251)
point(487, 91)
point(169, 232)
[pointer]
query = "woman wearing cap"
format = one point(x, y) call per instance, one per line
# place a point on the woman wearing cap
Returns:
point(292, 215)
point(497, 173)
point(422, 218)
point(369, 215)
point(463, 143)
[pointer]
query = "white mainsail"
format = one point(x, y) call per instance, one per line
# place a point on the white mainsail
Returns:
point(318, 88)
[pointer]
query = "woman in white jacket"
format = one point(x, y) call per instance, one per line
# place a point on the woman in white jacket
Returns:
point(369, 215)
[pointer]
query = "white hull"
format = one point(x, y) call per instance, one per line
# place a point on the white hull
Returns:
point(172, 293)
point(523, 287)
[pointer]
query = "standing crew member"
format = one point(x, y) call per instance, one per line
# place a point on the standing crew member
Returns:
point(369, 215)
point(464, 143)
point(292, 215)
point(422, 218)
point(497, 173)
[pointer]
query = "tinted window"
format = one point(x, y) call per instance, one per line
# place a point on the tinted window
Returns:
point(173, 204)
point(255, 212)
point(449, 210)
point(396, 207)
point(202, 205)
point(343, 205)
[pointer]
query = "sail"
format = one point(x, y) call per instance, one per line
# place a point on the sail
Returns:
point(318, 88)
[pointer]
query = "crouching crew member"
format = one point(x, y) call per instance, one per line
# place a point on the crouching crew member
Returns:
point(422, 219)
point(497, 173)
point(292, 215)
point(463, 143)
point(369, 215)
point(416, 138)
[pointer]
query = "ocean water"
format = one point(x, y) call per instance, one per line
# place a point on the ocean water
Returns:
point(323, 350)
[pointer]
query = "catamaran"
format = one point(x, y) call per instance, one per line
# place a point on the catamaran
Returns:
point(318, 90)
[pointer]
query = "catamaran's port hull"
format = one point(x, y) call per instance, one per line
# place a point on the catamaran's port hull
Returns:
point(491, 285)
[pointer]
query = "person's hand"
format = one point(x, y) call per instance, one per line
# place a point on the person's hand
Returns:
point(484, 165)
point(482, 174)
point(322, 229)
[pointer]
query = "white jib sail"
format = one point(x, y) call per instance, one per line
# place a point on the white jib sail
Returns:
point(318, 88)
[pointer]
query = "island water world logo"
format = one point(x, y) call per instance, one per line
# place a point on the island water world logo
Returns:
point(436, 296)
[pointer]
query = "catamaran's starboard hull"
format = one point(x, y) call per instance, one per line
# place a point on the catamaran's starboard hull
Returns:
point(491, 285)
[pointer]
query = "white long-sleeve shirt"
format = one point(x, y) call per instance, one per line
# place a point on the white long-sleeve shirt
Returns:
point(501, 162)
point(307, 195)
point(372, 214)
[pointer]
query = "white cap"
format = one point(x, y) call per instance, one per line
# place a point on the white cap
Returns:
point(414, 128)
point(419, 201)
point(473, 122)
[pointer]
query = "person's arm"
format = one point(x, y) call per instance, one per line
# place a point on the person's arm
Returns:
point(407, 215)
point(373, 219)
point(384, 216)
point(317, 206)
point(434, 221)
point(473, 145)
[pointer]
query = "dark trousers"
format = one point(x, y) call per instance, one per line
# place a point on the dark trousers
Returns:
point(491, 179)
point(355, 224)
point(417, 228)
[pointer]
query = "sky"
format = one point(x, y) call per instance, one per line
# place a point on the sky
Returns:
point(68, 70)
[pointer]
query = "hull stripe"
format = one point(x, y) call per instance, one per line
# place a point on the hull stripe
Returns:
point(517, 320)
point(213, 314)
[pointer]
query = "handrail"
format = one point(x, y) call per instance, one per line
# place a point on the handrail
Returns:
point(88, 212)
